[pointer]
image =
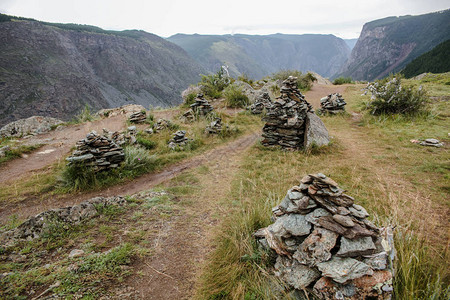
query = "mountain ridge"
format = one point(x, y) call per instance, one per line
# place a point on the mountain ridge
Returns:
point(262, 55)
point(51, 71)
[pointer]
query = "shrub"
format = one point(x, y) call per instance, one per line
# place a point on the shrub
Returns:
point(390, 97)
point(342, 80)
point(190, 99)
point(246, 79)
point(138, 159)
point(304, 81)
point(147, 144)
point(78, 176)
point(213, 85)
point(85, 115)
point(235, 97)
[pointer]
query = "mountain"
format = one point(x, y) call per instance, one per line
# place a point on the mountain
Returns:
point(351, 43)
point(388, 45)
point(260, 55)
point(56, 69)
point(434, 61)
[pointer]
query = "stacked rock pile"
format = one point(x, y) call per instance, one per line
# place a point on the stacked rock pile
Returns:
point(97, 151)
point(162, 124)
point(285, 119)
point(432, 142)
point(214, 127)
point(121, 138)
point(138, 117)
point(179, 140)
point(199, 108)
point(325, 243)
point(261, 102)
point(332, 104)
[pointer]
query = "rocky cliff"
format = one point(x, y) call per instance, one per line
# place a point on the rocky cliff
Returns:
point(388, 45)
point(56, 69)
point(260, 55)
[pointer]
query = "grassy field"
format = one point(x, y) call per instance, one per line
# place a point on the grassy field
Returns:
point(398, 182)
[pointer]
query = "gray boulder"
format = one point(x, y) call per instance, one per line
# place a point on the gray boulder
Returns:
point(315, 132)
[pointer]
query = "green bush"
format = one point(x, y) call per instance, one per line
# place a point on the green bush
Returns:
point(304, 81)
point(190, 99)
point(390, 97)
point(147, 144)
point(246, 79)
point(78, 176)
point(213, 85)
point(342, 80)
point(234, 97)
point(138, 159)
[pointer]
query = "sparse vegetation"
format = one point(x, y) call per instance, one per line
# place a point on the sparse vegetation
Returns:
point(244, 78)
point(304, 81)
point(213, 85)
point(342, 80)
point(16, 151)
point(235, 97)
point(84, 116)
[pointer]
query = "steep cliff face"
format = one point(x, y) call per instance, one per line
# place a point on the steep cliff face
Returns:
point(261, 55)
point(388, 45)
point(50, 71)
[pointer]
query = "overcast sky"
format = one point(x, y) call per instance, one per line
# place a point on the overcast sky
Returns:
point(343, 18)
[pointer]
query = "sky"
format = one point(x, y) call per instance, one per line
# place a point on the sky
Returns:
point(343, 18)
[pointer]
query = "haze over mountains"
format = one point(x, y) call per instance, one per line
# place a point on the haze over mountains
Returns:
point(261, 55)
point(55, 69)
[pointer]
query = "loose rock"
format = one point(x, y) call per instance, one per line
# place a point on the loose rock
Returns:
point(30, 126)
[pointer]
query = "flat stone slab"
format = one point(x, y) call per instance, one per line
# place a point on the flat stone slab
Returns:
point(295, 274)
point(315, 132)
point(344, 269)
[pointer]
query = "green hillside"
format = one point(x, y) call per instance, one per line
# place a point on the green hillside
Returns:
point(434, 61)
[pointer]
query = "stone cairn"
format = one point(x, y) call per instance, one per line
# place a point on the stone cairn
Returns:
point(122, 138)
point(97, 151)
point(138, 117)
point(179, 140)
point(162, 124)
point(332, 104)
point(285, 119)
point(215, 127)
point(199, 108)
point(263, 101)
point(326, 245)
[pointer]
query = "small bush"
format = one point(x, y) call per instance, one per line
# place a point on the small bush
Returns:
point(147, 144)
point(390, 97)
point(304, 81)
point(235, 97)
point(85, 115)
point(78, 176)
point(213, 85)
point(190, 99)
point(342, 80)
point(138, 159)
point(246, 79)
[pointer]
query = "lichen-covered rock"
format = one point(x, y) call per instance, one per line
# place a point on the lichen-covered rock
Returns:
point(30, 126)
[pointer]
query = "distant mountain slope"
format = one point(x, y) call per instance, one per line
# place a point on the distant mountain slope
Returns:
point(351, 43)
point(261, 55)
point(388, 45)
point(434, 61)
point(55, 69)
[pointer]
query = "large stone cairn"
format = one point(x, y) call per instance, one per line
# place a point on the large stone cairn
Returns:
point(138, 117)
point(325, 243)
point(261, 102)
point(97, 151)
point(332, 104)
point(285, 119)
point(199, 108)
point(179, 140)
point(215, 127)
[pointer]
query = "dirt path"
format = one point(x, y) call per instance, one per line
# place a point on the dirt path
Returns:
point(34, 206)
point(181, 245)
point(319, 91)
